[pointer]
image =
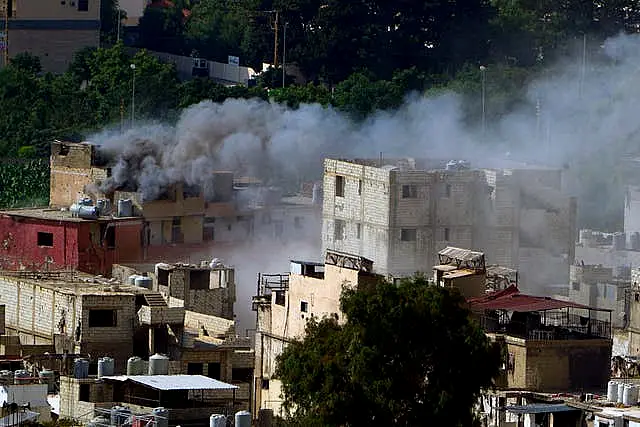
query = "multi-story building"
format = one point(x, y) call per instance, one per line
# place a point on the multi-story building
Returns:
point(53, 31)
point(284, 304)
point(400, 217)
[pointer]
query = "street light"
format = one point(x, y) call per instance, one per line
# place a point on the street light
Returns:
point(284, 53)
point(483, 70)
point(133, 94)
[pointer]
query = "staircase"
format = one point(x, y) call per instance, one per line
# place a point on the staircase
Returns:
point(155, 299)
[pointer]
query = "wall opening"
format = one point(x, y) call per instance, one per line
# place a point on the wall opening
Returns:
point(409, 191)
point(358, 228)
point(45, 239)
point(163, 277)
point(339, 186)
point(199, 279)
point(243, 375)
point(339, 229)
point(190, 191)
point(304, 306)
point(408, 234)
point(176, 230)
point(83, 5)
point(213, 371)
point(195, 369)
point(102, 318)
point(84, 392)
point(280, 298)
point(447, 234)
point(108, 233)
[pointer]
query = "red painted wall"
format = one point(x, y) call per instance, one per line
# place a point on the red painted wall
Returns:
point(19, 244)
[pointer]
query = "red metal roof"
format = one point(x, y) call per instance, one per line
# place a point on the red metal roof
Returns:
point(511, 299)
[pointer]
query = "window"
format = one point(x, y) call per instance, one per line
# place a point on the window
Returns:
point(408, 234)
point(409, 191)
point(108, 233)
point(102, 318)
point(208, 229)
point(339, 186)
point(446, 234)
point(176, 230)
point(297, 222)
point(85, 392)
point(265, 384)
point(447, 190)
point(195, 369)
point(64, 150)
point(163, 277)
point(199, 279)
point(243, 375)
point(45, 239)
point(83, 5)
point(213, 371)
point(339, 229)
point(190, 191)
point(280, 298)
point(358, 227)
point(304, 306)
point(359, 187)
point(575, 286)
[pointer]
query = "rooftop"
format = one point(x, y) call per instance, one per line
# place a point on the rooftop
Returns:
point(50, 214)
point(174, 382)
point(511, 299)
point(461, 254)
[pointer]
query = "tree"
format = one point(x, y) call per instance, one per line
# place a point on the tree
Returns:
point(405, 354)
point(27, 63)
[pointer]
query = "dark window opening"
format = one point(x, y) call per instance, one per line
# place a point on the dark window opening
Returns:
point(243, 375)
point(163, 277)
point(208, 234)
point(409, 191)
point(339, 186)
point(176, 230)
point(575, 286)
point(339, 230)
point(358, 229)
point(213, 371)
point(280, 298)
point(190, 191)
point(304, 306)
point(359, 187)
point(195, 369)
point(102, 318)
point(447, 190)
point(45, 239)
point(199, 279)
point(109, 172)
point(265, 384)
point(83, 5)
point(85, 392)
point(446, 234)
point(64, 150)
point(108, 235)
point(408, 234)
point(9, 8)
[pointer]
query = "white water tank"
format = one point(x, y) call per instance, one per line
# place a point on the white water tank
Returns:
point(125, 208)
point(105, 367)
point(158, 365)
point(88, 212)
point(161, 417)
point(612, 391)
point(630, 397)
point(135, 366)
point(22, 377)
point(217, 420)
point(6, 377)
point(620, 392)
point(243, 419)
point(143, 282)
point(132, 279)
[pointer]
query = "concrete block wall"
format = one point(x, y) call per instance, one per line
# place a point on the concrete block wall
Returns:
point(214, 325)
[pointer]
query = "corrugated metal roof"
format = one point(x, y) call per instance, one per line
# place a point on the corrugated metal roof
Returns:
point(511, 299)
point(540, 408)
point(461, 254)
point(175, 382)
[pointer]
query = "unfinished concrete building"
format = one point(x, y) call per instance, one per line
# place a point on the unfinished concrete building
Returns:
point(461, 269)
point(401, 216)
point(284, 303)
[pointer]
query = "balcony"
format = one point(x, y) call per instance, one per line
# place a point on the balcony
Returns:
point(152, 316)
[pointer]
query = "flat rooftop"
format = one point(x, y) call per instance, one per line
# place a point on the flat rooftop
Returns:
point(50, 214)
point(72, 283)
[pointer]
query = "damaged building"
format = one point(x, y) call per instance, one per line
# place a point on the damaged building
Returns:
point(400, 216)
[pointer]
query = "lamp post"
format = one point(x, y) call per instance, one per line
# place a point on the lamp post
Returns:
point(483, 70)
point(284, 53)
point(133, 94)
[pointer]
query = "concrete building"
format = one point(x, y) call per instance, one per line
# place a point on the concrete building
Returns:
point(284, 303)
point(400, 216)
point(548, 345)
point(461, 269)
point(53, 31)
point(53, 239)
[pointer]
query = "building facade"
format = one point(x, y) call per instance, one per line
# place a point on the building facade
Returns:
point(53, 31)
point(401, 217)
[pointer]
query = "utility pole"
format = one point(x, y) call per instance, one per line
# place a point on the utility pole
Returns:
point(119, 22)
point(5, 35)
point(133, 94)
point(275, 41)
point(284, 53)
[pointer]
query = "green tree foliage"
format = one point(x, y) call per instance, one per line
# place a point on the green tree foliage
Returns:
point(24, 183)
point(400, 358)
point(162, 26)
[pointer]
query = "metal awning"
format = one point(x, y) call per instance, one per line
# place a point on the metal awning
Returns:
point(174, 382)
point(540, 408)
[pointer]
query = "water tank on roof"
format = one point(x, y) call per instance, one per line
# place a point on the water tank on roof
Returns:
point(81, 368)
point(243, 419)
point(6, 377)
point(120, 415)
point(88, 212)
point(105, 367)
point(612, 391)
point(74, 208)
point(104, 206)
point(217, 420)
point(135, 366)
point(22, 377)
point(125, 208)
point(132, 279)
point(85, 202)
point(620, 392)
point(144, 282)
point(158, 365)
point(161, 417)
point(630, 396)
point(48, 377)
